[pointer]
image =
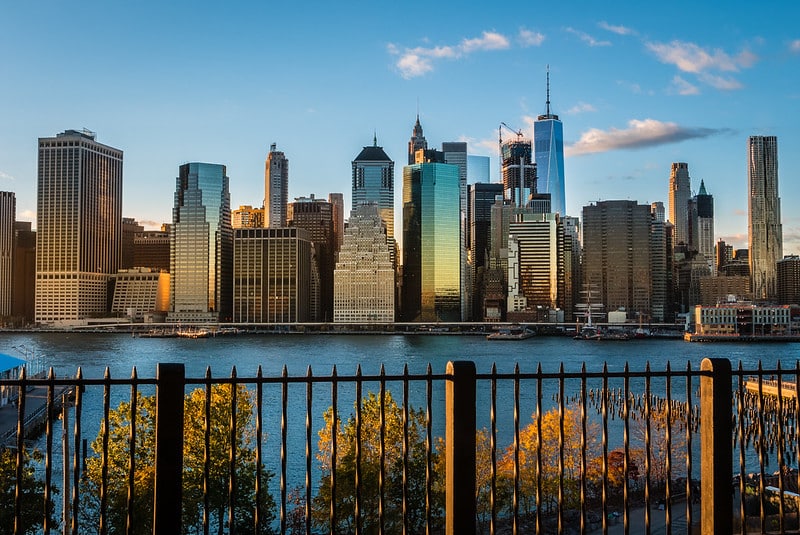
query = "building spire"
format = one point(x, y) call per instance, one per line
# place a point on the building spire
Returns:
point(547, 112)
point(374, 138)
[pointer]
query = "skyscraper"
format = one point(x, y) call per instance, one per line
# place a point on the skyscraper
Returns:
point(316, 216)
point(416, 142)
point(616, 254)
point(548, 139)
point(518, 170)
point(431, 228)
point(765, 232)
point(704, 228)
point(337, 203)
point(364, 275)
point(481, 196)
point(79, 226)
point(679, 194)
point(201, 245)
point(276, 188)
point(8, 214)
point(455, 153)
point(373, 182)
point(272, 275)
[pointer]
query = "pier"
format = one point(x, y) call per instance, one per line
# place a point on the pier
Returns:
point(35, 412)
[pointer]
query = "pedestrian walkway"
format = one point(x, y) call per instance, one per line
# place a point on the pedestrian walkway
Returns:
point(35, 412)
point(657, 521)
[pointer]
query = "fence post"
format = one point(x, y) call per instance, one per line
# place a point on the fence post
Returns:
point(716, 458)
point(460, 506)
point(170, 381)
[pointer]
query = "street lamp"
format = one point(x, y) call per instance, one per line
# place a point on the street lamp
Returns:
point(33, 365)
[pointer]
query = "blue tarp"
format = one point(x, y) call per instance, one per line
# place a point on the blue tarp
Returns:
point(7, 362)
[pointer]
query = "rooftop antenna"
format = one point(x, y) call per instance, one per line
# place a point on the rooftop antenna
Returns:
point(375, 138)
point(548, 89)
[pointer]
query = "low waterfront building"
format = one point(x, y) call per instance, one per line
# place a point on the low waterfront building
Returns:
point(140, 292)
point(747, 320)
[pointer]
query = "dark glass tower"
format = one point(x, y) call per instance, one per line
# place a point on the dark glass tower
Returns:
point(373, 182)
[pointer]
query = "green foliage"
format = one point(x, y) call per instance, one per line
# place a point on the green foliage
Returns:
point(193, 468)
point(370, 467)
point(32, 512)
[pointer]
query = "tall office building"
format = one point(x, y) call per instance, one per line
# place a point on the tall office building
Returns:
point(518, 170)
point(533, 264)
point(416, 142)
point(201, 247)
point(24, 297)
point(272, 275)
point(455, 153)
point(704, 227)
point(276, 188)
point(151, 248)
point(548, 140)
point(679, 194)
point(480, 198)
point(363, 280)
point(617, 255)
point(8, 215)
point(661, 261)
point(316, 216)
point(431, 228)
point(337, 203)
point(373, 182)
point(788, 277)
point(78, 224)
point(247, 217)
point(765, 232)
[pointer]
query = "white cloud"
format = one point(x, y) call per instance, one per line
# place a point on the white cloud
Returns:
point(682, 87)
point(586, 38)
point(418, 61)
point(638, 134)
point(617, 29)
point(690, 57)
point(5, 176)
point(581, 107)
point(720, 82)
point(794, 46)
point(529, 38)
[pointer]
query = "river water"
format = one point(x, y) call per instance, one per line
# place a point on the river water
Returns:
point(93, 353)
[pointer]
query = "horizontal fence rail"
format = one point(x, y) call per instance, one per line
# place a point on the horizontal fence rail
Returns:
point(609, 451)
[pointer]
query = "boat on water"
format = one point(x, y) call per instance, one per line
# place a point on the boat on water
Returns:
point(594, 333)
point(513, 333)
point(194, 333)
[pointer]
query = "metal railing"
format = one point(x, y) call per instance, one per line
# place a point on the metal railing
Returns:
point(611, 451)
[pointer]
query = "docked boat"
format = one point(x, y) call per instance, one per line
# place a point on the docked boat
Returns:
point(513, 333)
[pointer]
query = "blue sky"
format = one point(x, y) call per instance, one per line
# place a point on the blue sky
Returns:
point(636, 89)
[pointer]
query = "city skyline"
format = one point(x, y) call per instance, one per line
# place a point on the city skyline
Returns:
point(663, 89)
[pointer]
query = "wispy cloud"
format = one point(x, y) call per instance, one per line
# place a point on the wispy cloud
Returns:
point(617, 29)
point(530, 38)
point(586, 38)
point(581, 107)
point(418, 61)
point(794, 46)
point(5, 176)
point(682, 87)
point(638, 134)
point(705, 63)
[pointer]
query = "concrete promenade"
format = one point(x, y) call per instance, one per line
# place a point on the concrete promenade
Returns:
point(35, 412)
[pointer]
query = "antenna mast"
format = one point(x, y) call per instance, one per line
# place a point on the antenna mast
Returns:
point(548, 89)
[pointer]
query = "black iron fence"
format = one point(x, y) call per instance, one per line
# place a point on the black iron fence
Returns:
point(611, 451)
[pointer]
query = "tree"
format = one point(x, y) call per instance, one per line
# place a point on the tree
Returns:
point(530, 451)
point(193, 465)
point(370, 466)
point(32, 514)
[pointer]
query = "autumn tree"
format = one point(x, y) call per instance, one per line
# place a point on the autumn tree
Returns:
point(119, 454)
point(370, 469)
point(32, 513)
point(534, 447)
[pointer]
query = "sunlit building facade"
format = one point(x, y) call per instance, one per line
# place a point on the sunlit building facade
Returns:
point(431, 233)
point(363, 281)
point(247, 217)
point(765, 232)
point(201, 245)
point(272, 275)
point(276, 187)
point(8, 214)
point(680, 192)
point(79, 226)
point(140, 292)
point(373, 182)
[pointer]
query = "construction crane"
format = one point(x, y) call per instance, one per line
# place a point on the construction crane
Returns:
point(500, 132)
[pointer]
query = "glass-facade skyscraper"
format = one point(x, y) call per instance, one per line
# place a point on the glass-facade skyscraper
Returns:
point(431, 232)
point(373, 182)
point(548, 141)
point(765, 232)
point(79, 226)
point(201, 245)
